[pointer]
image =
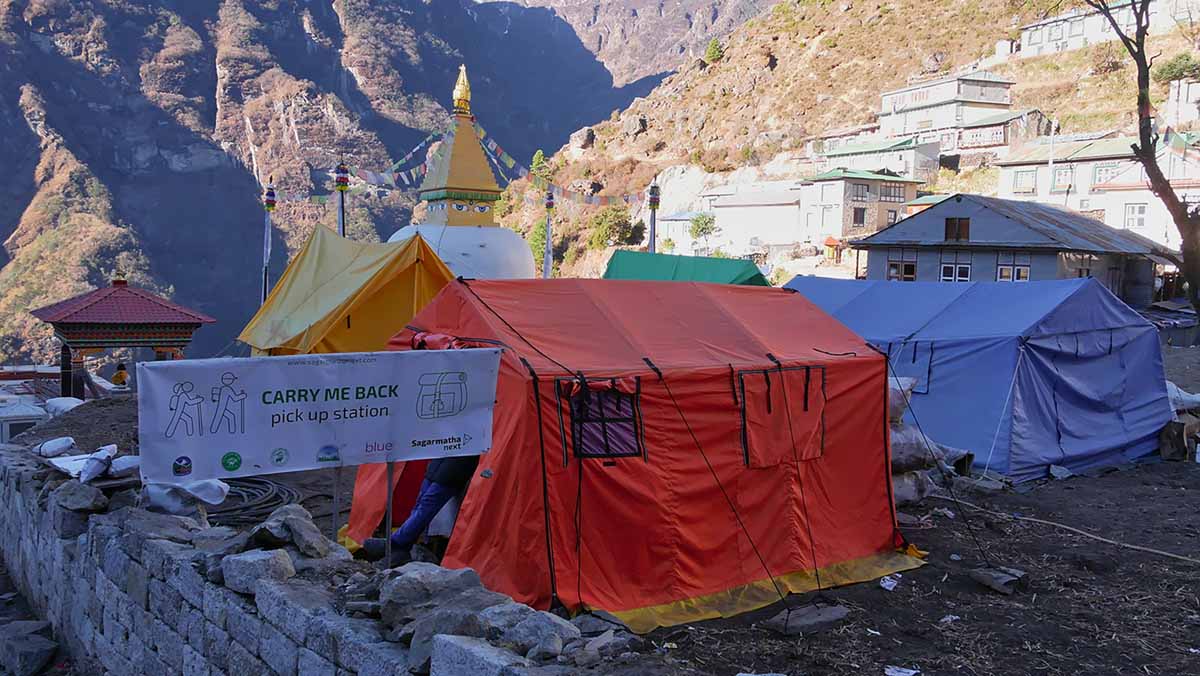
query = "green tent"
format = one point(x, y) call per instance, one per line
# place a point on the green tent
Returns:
point(649, 266)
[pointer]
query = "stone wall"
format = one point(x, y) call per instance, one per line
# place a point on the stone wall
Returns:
point(132, 592)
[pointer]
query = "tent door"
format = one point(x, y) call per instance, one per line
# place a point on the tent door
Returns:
point(783, 414)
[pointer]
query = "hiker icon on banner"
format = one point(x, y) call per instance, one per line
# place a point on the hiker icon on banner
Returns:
point(185, 409)
point(225, 397)
point(442, 395)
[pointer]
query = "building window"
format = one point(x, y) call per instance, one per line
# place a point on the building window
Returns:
point(860, 217)
point(956, 272)
point(1025, 182)
point(891, 192)
point(899, 271)
point(1055, 32)
point(958, 229)
point(1083, 272)
point(1012, 266)
point(1035, 36)
point(1103, 173)
point(902, 265)
point(1077, 27)
point(891, 216)
point(1135, 216)
point(1063, 177)
point(862, 192)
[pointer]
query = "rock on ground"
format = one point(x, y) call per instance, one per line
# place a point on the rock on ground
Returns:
point(463, 655)
point(243, 571)
point(24, 650)
point(537, 627)
point(79, 497)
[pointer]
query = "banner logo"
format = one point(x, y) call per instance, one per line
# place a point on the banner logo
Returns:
point(442, 395)
point(231, 461)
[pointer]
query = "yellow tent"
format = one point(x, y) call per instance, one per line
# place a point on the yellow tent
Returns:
point(339, 295)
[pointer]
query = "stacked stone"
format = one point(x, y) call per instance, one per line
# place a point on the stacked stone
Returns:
point(133, 592)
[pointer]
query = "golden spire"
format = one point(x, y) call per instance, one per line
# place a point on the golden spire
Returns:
point(462, 92)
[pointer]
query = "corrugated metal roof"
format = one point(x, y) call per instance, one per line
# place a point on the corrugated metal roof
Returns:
point(865, 147)
point(1074, 151)
point(999, 118)
point(1067, 230)
point(759, 198)
point(858, 174)
point(927, 199)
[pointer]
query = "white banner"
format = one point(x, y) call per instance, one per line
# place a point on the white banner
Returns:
point(219, 418)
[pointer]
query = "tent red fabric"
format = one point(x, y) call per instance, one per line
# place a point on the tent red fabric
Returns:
point(669, 451)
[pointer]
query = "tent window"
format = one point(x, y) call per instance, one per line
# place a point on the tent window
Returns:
point(604, 422)
point(783, 415)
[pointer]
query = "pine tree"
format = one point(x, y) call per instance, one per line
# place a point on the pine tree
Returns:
point(539, 166)
point(715, 52)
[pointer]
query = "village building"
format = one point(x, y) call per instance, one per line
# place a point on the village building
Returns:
point(1101, 178)
point(970, 238)
point(1182, 107)
point(938, 110)
point(901, 156)
point(1084, 26)
point(753, 220)
point(833, 139)
point(847, 203)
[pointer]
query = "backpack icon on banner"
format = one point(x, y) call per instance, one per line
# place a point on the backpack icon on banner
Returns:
point(442, 394)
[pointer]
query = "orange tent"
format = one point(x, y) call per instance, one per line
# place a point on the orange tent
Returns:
point(669, 451)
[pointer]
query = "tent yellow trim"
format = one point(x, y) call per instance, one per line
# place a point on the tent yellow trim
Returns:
point(339, 295)
point(763, 593)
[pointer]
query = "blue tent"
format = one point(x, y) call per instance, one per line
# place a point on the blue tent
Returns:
point(1024, 375)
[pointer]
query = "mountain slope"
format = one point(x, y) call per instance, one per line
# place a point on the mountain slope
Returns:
point(137, 132)
point(805, 67)
point(643, 38)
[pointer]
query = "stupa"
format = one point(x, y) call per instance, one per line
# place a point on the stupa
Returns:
point(461, 191)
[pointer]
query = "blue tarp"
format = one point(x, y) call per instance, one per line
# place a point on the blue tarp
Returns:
point(1023, 375)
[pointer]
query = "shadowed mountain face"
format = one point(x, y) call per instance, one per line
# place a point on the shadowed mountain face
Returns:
point(136, 133)
point(640, 38)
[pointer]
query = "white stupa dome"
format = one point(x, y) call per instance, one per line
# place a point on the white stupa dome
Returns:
point(476, 252)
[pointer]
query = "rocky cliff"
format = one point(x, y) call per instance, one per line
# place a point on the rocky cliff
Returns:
point(137, 133)
point(636, 39)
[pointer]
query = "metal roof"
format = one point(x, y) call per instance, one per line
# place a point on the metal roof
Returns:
point(999, 118)
point(976, 75)
point(841, 174)
point(759, 198)
point(928, 199)
point(866, 147)
point(1073, 151)
point(1066, 230)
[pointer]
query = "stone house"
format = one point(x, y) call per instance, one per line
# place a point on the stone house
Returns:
point(847, 203)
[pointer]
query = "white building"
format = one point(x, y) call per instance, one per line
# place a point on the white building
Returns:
point(752, 220)
point(1085, 26)
point(1182, 106)
point(846, 203)
point(1101, 178)
point(929, 109)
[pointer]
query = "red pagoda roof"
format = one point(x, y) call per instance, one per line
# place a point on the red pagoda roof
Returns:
point(119, 304)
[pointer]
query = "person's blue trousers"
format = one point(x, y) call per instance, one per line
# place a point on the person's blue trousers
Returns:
point(430, 500)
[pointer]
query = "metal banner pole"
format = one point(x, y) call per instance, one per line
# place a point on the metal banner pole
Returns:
point(269, 206)
point(654, 198)
point(337, 500)
point(387, 543)
point(341, 183)
point(548, 252)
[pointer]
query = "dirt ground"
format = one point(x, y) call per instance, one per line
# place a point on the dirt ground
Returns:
point(1092, 608)
point(94, 423)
